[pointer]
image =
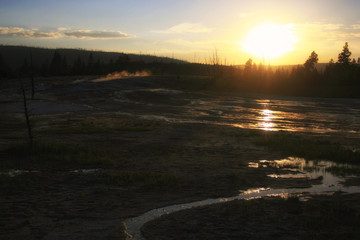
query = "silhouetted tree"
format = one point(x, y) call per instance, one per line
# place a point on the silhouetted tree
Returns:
point(5, 70)
point(45, 69)
point(90, 64)
point(64, 66)
point(248, 65)
point(78, 67)
point(24, 69)
point(311, 61)
point(121, 62)
point(56, 65)
point(344, 56)
point(254, 67)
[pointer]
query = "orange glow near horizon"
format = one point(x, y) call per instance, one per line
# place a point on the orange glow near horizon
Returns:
point(269, 41)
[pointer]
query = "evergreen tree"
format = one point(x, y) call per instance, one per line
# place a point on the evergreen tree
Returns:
point(56, 64)
point(90, 63)
point(78, 67)
point(5, 70)
point(122, 61)
point(45, 68)
point(344, 56)
point(311, 61)
point(24, 69)
point(64, 66)
point(248, 65)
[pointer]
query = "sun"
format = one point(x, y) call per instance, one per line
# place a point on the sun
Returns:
point(270, 40)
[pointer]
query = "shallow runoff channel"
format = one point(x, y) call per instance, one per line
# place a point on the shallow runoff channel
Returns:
point(294, 168)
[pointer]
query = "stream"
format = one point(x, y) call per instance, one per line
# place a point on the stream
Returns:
point(293, 168)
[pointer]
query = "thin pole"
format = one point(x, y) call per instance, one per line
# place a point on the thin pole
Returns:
point(32, 77)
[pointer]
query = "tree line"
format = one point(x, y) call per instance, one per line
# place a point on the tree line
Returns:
point(337, 79)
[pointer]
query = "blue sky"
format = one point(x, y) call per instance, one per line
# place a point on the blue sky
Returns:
point(186, 29)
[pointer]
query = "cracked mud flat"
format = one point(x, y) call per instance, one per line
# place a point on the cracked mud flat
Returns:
point(164, 145)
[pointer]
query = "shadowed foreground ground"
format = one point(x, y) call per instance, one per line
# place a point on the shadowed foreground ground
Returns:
point(133, 164)
point(323, 217)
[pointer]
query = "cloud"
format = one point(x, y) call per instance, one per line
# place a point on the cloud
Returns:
point(33, 34)
point(61, 33)
point(10, 30)
point(185, 28)
point(356, 26)
point(89, 34)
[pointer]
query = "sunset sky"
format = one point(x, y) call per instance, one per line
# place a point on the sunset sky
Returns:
point(189, 30)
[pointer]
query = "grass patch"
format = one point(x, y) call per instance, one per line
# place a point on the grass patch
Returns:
point(53, 155)
point(306, 147)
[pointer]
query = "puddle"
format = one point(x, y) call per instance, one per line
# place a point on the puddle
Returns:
point(301, 168)
point(253, 165)
point(298, 168)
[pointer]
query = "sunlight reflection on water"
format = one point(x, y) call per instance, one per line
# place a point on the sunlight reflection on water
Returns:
point(266, 120)
point(302, 168)
point(314, 115)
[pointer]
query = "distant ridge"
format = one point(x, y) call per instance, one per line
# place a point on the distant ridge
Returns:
point(15, 55)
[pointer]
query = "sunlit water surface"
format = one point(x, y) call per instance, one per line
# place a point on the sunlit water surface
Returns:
point(315, 115)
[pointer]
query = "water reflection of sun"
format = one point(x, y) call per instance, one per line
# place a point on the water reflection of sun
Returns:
point(266, 120)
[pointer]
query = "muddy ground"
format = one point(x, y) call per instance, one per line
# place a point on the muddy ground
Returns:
point(135, 160)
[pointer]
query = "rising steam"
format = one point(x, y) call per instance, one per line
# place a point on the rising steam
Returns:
point(123, 74)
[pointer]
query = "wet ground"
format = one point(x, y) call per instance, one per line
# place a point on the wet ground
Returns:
point(152, 143)
point(163, 98)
